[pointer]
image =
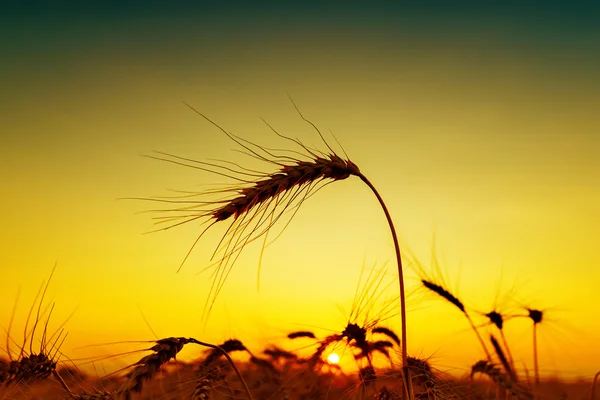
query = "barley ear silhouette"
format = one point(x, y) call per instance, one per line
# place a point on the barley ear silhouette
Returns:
point(259, 199)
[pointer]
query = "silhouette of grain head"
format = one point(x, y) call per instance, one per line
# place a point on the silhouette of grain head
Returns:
point(257, 201)
point(361, 330)
point(301, 334)
point(496, 319)
point(419, 364)
point(444, 293)
point(35, 367)
point(503, 359)
point(355, 333)
point(147, 367)
point(387, 332)
point(289, 177)
point(38, 366)
point(535, 315)
point(31, 364)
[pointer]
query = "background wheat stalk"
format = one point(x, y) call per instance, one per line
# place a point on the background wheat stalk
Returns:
point(444, 293)
point(260, 199)
point(536, 316)
point(207, 374)
point(497, 319)
point(147, 367)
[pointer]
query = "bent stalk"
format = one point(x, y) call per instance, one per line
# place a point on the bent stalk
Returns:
point(405, 370)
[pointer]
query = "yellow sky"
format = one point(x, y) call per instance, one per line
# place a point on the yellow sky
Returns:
point(493, 152)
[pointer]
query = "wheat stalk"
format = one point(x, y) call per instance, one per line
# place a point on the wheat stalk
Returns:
point(503, 360)
point(260, 199)
point(497, 319)
point(207, 374)
point(445, 294)
point(163, 351)
point(536, 316)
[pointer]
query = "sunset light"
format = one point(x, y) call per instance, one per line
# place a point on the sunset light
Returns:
point(333, 358)
point(207, 199)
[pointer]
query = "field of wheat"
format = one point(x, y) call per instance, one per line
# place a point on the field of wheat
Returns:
point(226, 199)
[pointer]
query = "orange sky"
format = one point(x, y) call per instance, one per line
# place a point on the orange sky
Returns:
point(490, 144)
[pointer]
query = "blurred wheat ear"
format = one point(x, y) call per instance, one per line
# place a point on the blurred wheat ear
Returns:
point(259, 199)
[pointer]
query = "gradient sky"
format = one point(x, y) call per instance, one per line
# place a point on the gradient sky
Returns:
point(479, 125)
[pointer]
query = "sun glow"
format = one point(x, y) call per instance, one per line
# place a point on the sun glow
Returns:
point(333, 358)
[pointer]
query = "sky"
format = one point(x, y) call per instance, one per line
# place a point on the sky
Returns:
point(477, 124)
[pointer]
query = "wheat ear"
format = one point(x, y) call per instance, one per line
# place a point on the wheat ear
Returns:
point(497, 319)
point(251, 203)
point(444, 293)
point(165, 350)
point(503, 360)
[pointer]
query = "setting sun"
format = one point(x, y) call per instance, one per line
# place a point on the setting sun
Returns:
point(333, 358)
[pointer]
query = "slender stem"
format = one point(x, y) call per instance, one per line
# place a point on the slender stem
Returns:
point(408, 383)
point(535, 355)
point(485, 350)
point(63, 383)
point(510, 357)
